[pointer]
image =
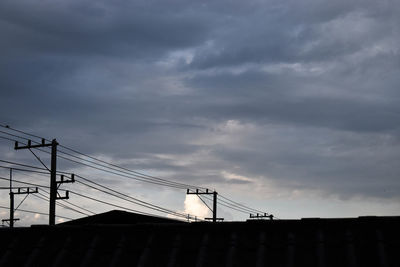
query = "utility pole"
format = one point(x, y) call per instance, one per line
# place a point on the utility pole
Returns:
point(214, 218)
point(261, 216)
point(53, 174)
point(17, 191)
point(11, 220)
point(20, 191)
point(11, 202)
point(214, 209)
point(53, 184)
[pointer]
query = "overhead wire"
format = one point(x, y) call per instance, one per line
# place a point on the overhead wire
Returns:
point(69, 203)
point(44, 186)
point(23, 170)
point(127, 173)
point(43, 197)
point(37, 212)
point(144, 176)
point(6, 138)
point(228, 206)
point(142, 203)
point(111, 204)
point(123, 175)
point(124, 172)
point(128, 197)
point(13, 135)
point(19, 131)
point(239, 204)
point(231, 206)
point(20, 164)
point(146, 204)
point(26, 183)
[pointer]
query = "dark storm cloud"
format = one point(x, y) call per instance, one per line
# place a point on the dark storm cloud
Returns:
point(301, 31)
point(80, 28)
point(157, 81)
point(259, 96)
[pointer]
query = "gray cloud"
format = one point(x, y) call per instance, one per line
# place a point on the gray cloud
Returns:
point(303, 94)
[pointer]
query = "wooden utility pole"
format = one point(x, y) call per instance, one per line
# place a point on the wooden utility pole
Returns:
point(11, 222)
point(53, 173)
point(53, 184)
point(19, 191)
point(214, 209)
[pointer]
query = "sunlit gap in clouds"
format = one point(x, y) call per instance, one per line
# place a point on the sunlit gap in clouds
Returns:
point(193, 205)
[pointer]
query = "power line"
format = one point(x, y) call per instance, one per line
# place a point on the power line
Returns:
point(6, 138)
point(143, 203)
point(123, 175)
point(241, 205)
point(128, 174)
point(23, 170)
point(19, 131)
point(228, 206)
point(142, 176)
point(20, 182)
point(38, 185)
point(136, 201)
point(29, 166)
point(134, 175)
point(68, 202)
point(111, 204)
point(235, 205)
point(132, 199)
point(13, 135)
point(37, 212)
point(43, 197)
point(231, 206)
point(124, 172)
point(23, 165)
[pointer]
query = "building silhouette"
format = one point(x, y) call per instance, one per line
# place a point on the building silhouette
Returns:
point(119, 238)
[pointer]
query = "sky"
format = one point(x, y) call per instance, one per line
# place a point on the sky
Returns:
point(291, 107)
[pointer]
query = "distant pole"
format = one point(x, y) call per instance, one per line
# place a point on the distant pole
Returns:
point(261, 216)
point(214, 209)
point(18, 191)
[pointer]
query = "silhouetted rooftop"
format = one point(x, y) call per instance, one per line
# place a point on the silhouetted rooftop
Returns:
point(363, 241)
point(119, 217)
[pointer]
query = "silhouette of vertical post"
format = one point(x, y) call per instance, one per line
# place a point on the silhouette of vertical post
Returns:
point(11, 202)
point(11, 209)
point(53, 184)
point(215, 206)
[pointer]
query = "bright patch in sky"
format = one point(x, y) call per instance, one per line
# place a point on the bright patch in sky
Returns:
point(193, 205)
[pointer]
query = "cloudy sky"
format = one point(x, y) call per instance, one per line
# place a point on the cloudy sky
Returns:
point(292, 107)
